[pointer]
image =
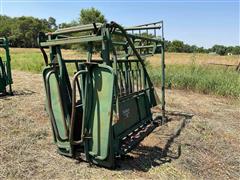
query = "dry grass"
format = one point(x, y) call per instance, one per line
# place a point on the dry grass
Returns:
point(171, 58)
point(188, 58)
point(205, 146)
point(29, 52)
point(211, 139)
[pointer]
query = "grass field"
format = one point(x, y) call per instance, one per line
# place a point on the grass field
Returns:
point(199, 78)
point(184, 71)
point(200, 141)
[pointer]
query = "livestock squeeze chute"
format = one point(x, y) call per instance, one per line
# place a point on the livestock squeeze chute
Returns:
point(100, 108)
point(5, 68)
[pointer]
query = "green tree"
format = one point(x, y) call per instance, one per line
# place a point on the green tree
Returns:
point(219, 49)
point(5, 25)
point(176, 46)
point(22, 31)
point(193, 48)
point(201, 50)
point(236, 50)
point(91, 15)
point(66, 25)
point(187, 48)
point(167, 45)
point(52, 23)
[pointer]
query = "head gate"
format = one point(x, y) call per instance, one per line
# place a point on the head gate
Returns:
point(104, 111)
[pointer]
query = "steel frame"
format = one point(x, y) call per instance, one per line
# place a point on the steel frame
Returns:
point(5, 68)
point(131, 87)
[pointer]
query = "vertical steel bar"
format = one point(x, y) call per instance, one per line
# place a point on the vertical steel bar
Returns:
point(126, 78)
point(122, 77)
point(140, 77)
point(129, 78)
point(78, 84)
point(137, 76)
point(133, 81)
point(163, 82)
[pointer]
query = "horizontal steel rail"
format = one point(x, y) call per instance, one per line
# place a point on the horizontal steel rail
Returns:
point(81, 28)
point(158, 22)
point(146, 47)
point(119, 43)
point(71, 40)
point(142, 28)
point(90, 27)
point(98, 60)
point(139, 37)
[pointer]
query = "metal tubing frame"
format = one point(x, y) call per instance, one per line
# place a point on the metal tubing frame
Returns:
point(5, 44)
point(103, 32)
point(72, 121)
point(118, 30)
point(51, 111)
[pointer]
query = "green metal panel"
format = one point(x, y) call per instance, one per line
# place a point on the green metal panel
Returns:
point(101, 98)
point(128, 115)
point(2, 76)
point(55, 110)
point(142, 106)
point(56, 104)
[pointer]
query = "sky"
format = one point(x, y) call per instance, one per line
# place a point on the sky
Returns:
point(196, 22)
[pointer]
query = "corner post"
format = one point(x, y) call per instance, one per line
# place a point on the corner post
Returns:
point(163, 77)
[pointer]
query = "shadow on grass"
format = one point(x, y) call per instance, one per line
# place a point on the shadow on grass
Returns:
point(16, 93)
point(143, 158)
point(23, 92)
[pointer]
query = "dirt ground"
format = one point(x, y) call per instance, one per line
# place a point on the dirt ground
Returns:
point(201, 140)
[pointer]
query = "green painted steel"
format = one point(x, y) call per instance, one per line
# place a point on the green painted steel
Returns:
point(103, 110)
point(98, 124)
point(54, 107)
point(5, 69)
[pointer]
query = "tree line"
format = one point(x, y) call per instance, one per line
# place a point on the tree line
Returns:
point(180, 46)
point(23, 32)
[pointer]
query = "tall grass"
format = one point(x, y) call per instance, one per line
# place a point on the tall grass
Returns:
point(32, 62)
point(25, 60)
point(213, 80)
point(200, 78)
